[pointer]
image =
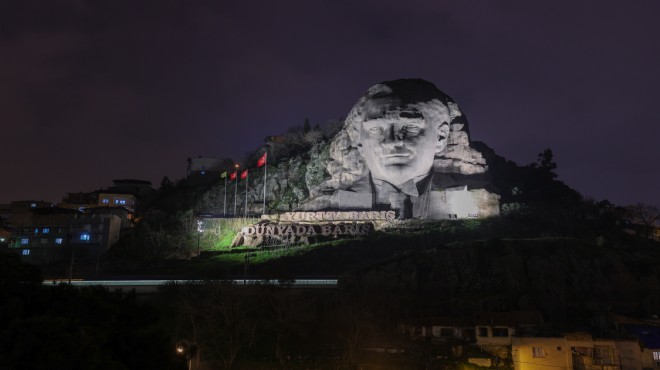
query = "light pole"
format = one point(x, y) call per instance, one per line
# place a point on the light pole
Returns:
point(200, 230)
point(187, 350)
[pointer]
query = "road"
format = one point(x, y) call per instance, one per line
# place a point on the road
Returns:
point(151, 286)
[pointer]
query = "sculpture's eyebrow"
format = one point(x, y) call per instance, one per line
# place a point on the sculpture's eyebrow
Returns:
point(411, 114)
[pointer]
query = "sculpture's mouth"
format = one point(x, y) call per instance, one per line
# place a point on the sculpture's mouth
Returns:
point(398, 155)
point(398, 158)
point(397, 152)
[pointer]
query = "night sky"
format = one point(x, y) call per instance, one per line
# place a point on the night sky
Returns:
point(92, 91)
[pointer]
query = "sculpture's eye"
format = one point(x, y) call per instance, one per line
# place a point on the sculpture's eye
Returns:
point(412, 130)
point(376, 130)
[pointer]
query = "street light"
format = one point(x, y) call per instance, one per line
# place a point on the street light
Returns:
point(200, 230)
point(187, 350)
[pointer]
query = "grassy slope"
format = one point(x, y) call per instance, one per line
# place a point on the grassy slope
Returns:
point(333, 258)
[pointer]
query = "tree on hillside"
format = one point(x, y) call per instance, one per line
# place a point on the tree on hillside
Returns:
point(545, 162)
point(166, 184)
point(306, 127)
point(645, 215)
point(220, 317)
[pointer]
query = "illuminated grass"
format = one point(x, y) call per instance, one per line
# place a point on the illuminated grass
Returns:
point(220, 233)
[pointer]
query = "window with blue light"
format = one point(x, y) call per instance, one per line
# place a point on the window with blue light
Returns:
point(26, 252)
point(58, 240)
point(105, 201)
point(203, 172)
point(84, 236)
point(25, 241)
point(36, 231)
point(45, 230)
point(33, 205)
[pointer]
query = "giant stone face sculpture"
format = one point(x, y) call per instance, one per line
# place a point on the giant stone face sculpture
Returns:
point(405, 147)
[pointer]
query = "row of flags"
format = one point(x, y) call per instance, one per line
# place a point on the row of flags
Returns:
point(232, 176)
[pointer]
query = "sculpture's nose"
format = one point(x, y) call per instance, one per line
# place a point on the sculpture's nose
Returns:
point(394, 135)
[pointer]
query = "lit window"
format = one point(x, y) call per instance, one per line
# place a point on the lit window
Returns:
point(36, 231)
point(33, 205)
point(81, 209)
point(656, 356)
point(105, 201)
point(58, 240)
point(203, 172)
point(604, 355)
point(122, 202)
point(25, 241)
point(45, 230)
point(538, 352)
point(84, 236)
point(26, 252)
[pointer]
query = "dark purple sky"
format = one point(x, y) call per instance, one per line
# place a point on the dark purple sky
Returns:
point(92, 91)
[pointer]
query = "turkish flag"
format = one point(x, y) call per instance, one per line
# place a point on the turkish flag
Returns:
point(262, 160)
point(244, 174)
point(233, 175)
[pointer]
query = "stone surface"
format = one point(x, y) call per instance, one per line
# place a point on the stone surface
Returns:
point(397, 143)
point(415, 145)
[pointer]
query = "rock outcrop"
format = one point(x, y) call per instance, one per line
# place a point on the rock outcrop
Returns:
point(404, 146)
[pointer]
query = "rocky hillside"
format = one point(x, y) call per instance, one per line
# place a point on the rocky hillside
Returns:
point(289, 181)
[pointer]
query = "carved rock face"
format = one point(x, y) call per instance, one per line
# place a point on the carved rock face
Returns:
point(399, 142)
point(400, 132)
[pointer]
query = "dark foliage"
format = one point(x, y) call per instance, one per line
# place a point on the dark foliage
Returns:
point(61, 327)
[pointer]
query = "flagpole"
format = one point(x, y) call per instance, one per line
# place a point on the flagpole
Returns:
point(265, 176)
point(247, 177)
point(225, 202)
point(235, 190)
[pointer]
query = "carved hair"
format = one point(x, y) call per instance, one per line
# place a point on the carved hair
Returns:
point(347, 167)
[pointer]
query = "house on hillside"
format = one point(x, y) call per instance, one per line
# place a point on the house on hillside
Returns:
point(577, 351)
point(649, 338)
point(49, 233)
point(492, 332)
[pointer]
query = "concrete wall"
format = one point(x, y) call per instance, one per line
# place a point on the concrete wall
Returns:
point(551, 353)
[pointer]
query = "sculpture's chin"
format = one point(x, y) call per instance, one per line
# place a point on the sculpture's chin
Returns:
point(398, 161)
point(398, 174)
